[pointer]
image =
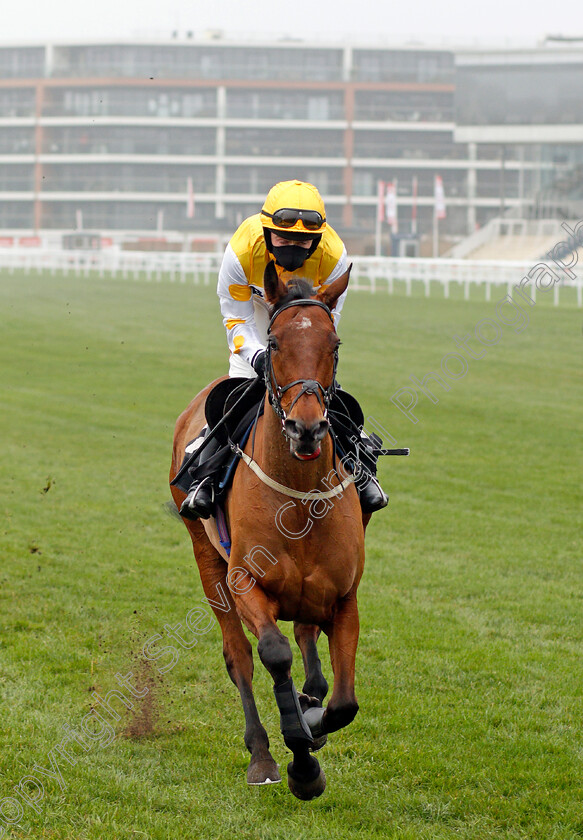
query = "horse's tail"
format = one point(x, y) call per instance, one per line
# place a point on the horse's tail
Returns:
point(172, 509)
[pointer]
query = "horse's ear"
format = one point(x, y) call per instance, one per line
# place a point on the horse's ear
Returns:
point(272, 285)
point(329, 294)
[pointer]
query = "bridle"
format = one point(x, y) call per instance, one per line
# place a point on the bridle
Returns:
point(309, 386)
point(274, 393)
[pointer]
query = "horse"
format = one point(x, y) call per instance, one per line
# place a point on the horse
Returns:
point(289, 561)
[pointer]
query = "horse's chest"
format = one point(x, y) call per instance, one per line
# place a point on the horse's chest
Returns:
point(307, 581)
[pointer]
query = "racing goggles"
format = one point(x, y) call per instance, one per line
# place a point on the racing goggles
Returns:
point(287, 218)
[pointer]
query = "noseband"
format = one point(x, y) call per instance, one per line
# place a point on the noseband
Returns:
point(309, 386)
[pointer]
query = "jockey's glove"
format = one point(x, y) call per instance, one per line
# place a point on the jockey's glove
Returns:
point(258, 363)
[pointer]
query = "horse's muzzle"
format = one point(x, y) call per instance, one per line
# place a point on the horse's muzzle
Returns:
point(304, 439)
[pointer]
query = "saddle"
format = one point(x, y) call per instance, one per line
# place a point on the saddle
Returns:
point(231, 409)
point(243, 393)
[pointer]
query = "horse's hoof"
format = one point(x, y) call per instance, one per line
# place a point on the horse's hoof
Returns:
point(263, 772)
point(307, 701)
point(313, 717)
point(307, 790)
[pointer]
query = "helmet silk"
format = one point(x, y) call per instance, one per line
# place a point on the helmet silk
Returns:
point(296, 195)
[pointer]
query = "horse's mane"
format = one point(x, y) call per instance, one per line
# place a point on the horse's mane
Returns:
point(298, 288)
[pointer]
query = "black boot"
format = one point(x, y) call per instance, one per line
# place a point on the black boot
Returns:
point(359, 452)
point(200, 500)
point(372, 496)
point(200, 497)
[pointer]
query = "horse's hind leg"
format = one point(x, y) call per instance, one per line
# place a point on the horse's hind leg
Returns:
point(237, 652)
point(343, 641)
point(306, 636)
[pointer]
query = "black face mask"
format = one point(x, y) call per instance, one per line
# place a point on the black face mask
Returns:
point(290, 257)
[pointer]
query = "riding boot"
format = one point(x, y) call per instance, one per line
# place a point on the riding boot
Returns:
point(371, 494)
point(359, 454)
point(200, 498)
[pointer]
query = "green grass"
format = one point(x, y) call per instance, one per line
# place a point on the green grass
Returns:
point(469, 666)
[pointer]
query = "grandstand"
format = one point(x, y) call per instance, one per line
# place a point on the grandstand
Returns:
point(511, 239)
point(109, 136)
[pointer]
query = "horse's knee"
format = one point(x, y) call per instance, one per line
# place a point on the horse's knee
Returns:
point(339, 716)
point(275, 653)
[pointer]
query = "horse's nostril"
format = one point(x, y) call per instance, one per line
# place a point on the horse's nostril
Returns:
point(320, 429)
point(294, 428)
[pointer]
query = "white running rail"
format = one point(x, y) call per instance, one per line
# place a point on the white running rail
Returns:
point(372, 274)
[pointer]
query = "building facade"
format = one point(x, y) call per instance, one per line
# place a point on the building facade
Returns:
point(112, 133)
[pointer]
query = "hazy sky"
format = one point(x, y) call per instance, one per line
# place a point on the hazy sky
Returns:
point(479, 21)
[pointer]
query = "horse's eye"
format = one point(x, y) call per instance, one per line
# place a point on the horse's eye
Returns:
point(272, 343)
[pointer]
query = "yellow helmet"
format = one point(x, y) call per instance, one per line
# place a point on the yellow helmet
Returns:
point(294, 206)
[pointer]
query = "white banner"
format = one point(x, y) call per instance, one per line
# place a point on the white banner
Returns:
point(391, 206)
point(380, 201)
point(439, 198)
point(189, 199)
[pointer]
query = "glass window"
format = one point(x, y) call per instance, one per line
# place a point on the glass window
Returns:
point(130, 102)
point(16, 141)
point(519, 95)
point(127, 177)
point(18, 178)
point(288, 143)
point(398, 106)
point(127, 215)
point(284, 104)
point(17, 103)
point(145, 140)
point(22, 62)
point(421, 145)
point(219, 61)
point(16, 214)
point(403, 65)
point(260, 179)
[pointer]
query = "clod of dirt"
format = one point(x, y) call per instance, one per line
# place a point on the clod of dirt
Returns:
point(48, 485)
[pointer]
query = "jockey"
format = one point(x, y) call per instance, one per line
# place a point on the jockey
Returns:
point(292, 230)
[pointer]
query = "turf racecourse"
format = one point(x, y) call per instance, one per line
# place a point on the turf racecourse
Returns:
point(469, 666)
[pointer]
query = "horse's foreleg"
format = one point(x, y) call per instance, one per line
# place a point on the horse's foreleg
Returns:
point(306, 636)
point(305, 778)
point(343, 640)
point(237, 652)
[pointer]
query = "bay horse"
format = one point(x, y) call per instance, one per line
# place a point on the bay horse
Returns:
point(272, 572)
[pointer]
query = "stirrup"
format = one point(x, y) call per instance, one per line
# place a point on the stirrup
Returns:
point(200, 500)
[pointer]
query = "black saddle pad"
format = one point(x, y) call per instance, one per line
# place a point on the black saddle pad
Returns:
point(227, 394)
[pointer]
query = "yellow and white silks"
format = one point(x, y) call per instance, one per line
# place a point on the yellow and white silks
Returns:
point(240, 287)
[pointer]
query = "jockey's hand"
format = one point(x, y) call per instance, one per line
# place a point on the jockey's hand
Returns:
point(258, 363)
